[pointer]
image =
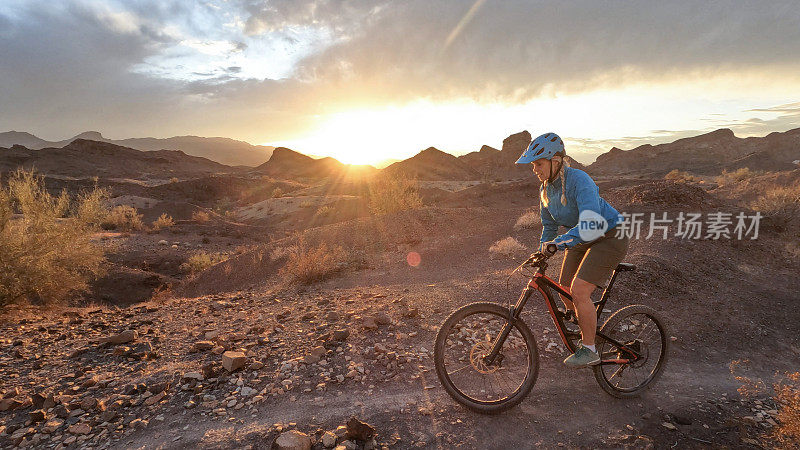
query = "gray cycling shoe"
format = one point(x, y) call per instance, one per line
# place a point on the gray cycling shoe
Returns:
point(583, 357)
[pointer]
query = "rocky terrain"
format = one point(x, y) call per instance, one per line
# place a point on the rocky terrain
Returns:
point(226, 151)
point(705, 154)
point(241, 356)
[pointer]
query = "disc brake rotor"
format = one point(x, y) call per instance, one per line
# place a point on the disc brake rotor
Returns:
point(479, 350)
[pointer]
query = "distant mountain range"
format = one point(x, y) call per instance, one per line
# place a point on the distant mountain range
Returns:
point(708, 153)
point(224, 150)
point(286, 163)
point(85, 158)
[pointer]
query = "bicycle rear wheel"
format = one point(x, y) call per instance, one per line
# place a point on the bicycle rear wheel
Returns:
point(462, 342)
point(639, 328)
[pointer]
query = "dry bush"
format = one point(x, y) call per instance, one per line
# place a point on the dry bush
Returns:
point(680, 176)
point(163, 221)
point(528, 220)
point(277, 193)
point(737, 175)
point(388, 194)
point(90, 207)
point(174, 180)
point(781, 207)
point(201, 261)
point(324, 211)
point(201, 216)
point(306, 204)
point(787, 396)
point(278, 253)
point(45, 255)
point(123, 218)
point(507, 247)
point(307, 264)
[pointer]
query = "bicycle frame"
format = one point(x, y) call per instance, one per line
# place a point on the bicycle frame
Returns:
point(542, 283)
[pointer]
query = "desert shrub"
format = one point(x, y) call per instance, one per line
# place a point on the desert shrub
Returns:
point(780, 206)
point(306, 204)
point(277, 193)
point(123, 218)
point(787, 396)
point(174, 180)
point(45, 255)
point(91, 206)
point(507, 247)
point(307, 264)
point(324, 211)
point(736, 176)
point(528, 220)
point(278, 253)
point(388, 194)
point(163, 221)
point(679, 175)
point(201, 261)
point(201, 216)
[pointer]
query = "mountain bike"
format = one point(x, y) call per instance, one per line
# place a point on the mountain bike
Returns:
point(487, 358)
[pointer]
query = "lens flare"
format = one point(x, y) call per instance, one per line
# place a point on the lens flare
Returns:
point(413, 259)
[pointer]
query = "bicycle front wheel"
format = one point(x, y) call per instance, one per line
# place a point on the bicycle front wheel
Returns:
point(463, 341)
point(640, 329)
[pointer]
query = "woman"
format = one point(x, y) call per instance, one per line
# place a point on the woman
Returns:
point(569, 198)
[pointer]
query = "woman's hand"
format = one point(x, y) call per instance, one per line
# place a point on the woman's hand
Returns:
point(548, 248)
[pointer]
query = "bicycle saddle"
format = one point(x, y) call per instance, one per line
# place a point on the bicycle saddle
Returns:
point(624, 267)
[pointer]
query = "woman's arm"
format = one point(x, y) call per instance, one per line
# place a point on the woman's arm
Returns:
point(549, 225)
point(587, 196)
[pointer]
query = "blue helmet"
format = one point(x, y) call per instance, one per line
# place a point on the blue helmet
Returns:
point(545, 146)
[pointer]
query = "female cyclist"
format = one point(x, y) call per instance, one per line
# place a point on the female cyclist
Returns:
point(570, 198)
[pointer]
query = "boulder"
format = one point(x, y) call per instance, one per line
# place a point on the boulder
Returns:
point(292, 440)
point(122, 338)
point(357, 429)
point(233, 361)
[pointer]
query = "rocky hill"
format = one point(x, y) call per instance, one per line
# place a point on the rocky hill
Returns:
point(496, 164)
point(708, 153)
point(432, 164)
point(289, 164)
point(85, 158)
point(224, 150)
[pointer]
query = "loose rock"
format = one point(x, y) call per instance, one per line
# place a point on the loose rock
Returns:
point(357, 429)
point(292, 440)
point(233, 361)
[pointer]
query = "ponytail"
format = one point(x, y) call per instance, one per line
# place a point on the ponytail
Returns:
point(543, 191)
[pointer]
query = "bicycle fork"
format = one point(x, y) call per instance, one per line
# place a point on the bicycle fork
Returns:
point(513, 316)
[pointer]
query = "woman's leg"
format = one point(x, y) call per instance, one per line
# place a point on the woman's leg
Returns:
point(572, 260)
point(587, 314)
point(594, 271)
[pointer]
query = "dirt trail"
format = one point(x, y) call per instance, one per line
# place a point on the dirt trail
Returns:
point(358, 344)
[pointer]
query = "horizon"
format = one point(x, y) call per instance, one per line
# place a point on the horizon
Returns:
point(386, 162)
point(371, 82)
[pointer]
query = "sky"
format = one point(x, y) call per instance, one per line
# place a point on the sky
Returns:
point(365, 81)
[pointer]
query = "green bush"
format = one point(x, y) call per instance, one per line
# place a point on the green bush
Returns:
point(46, 255)
point(393, 193)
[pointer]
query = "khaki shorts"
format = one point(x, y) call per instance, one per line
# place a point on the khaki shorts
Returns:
point(594, 261)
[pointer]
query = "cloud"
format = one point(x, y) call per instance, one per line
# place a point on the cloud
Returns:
point(256, 68)
point(515, 50)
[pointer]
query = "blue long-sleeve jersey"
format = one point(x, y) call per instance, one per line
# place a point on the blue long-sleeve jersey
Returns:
point(582, 195)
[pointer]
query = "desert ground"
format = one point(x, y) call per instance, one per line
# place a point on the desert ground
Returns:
point(143, 358)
